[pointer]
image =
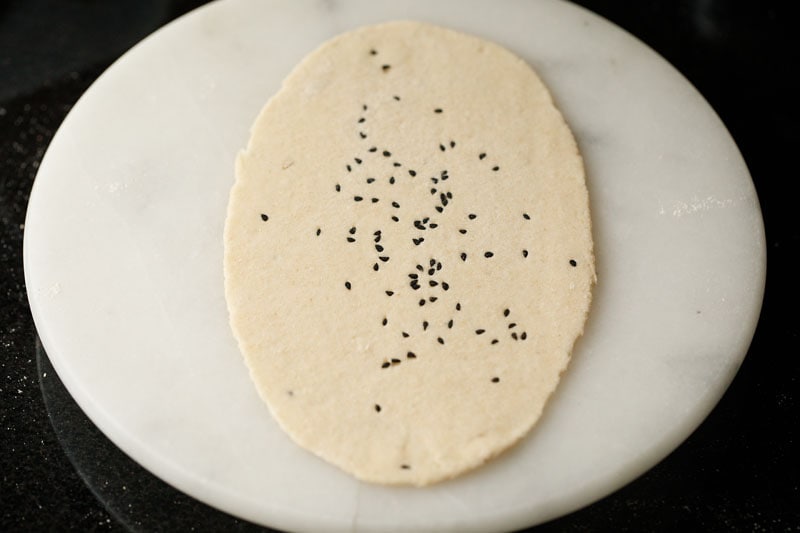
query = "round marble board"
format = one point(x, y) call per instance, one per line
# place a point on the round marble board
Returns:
point(123, 261)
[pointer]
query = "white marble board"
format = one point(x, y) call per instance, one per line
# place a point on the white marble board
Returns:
point(123, 262)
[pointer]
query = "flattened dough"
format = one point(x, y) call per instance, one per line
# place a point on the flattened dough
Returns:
point(408, 252)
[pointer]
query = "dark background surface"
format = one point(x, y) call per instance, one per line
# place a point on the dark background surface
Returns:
point(737, 472)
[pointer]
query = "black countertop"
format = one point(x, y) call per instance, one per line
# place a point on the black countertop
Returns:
point(737, 472)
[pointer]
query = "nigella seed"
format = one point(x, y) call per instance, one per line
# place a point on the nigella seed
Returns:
point(495, 341)
point(458, 307)
point(432, 299)
point(338, 187)
point(384, 258)
point(374, 200)
point(443, 198)
point(373, 149)
point(395, 205)
point(480, 331)
point(438, 265)
point(377, 408)
point(487, 255)
point(385, 321)
point(361, 120)
point(375, 267)
point(437, 110)
point(391, 180)
point(526, 216)
point(349, 168)
point(472, 216)
point(395, 218)
point(378, 248)
point(357, 198)
point(362, 134)
point(572, 262)
point(386, 364)
point(396, 98)
point(357, 160)
point(449, 195)
point(405, 467)
point(396, 361)
point(412, 172)
point(418, 241)
point(524, 253)
point(422, 302)
point(373, 52)
point(524, 335)
point(350, 239)
point(440, 340)
point(439, 208)
point(319, 230)
point(506, 312)
point(482, 155)
point(420, 268)
point(434, 225)
point(433, 190)
point(386, 153)
point(389, 293)
point(514, 335)
point(424, 325)
point(452, 144)
point(431, 271)
point(512, 325)
point(364, 107)
point(463, 256)
point(352, 230)
point(495, 168)
point(264, 217)
point(450, 324)
point(397, 164)
point(433, 283)
point(347, 285)
point(413, 275)
point(386, 68)
point(462, 231)
point(445, 286)
point(405, 335)
point(411, 355)
point(495, 380)
point(441, 147)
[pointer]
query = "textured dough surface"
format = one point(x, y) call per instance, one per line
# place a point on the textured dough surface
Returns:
point(400, 360)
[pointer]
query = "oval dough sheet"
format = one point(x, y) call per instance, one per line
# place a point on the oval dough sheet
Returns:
point(408, 252)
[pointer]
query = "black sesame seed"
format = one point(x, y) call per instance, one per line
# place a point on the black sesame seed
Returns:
point(395, 205)
point(495, 341)
point(487, 255)
point(319, 230)
point(373, 52)
point(437, 110)
point(389, 293)
point(385, 321)
point(412, 172)
point(264, 217)
point(347, 285)
point(377, 408)
point(443, 198)
point(395, 218)
point(396, 98)
point(386, 68)
point(495, 380)
point(411, 355)
point(481, 156)
point(450, 324)
point(338, 187)
point(440, 340)
point(361, 120)
point(572, 262)
point(362, 134)
point(397, 164)
point(452, 144)
point(526, 216)
point(506, 312)
point(512, 325)
point(495, 168)
point(349, 168)
point(396, 361)
point(364, 107)
point(480, 331)
point(373, 149)
point(405, 467)
point(386, 364)
point(357, 198)
point(472, 216)
point(524, 253)
point(386, 153)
